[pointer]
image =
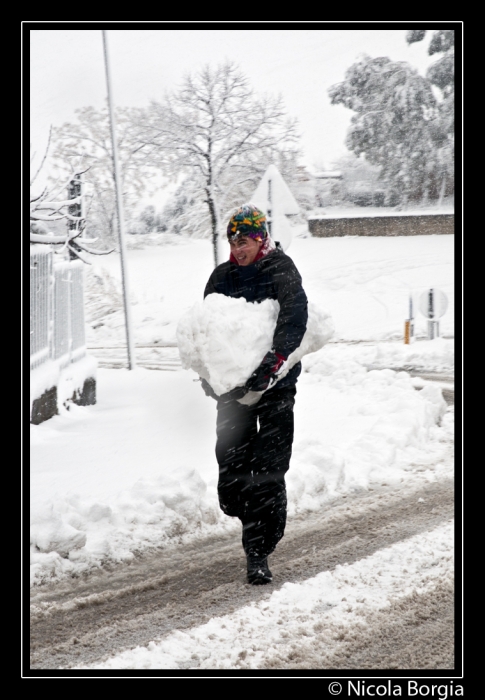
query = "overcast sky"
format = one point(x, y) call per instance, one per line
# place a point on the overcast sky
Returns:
point(67, 71)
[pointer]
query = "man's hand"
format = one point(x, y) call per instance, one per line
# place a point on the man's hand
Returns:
point(234, 394)
point(208, 390)
point(266, 375)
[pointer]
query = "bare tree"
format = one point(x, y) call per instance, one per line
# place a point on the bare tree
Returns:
point(89, 140)
point(51, 206)
point(217, 131)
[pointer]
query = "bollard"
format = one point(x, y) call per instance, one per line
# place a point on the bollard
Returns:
point(433, 304)
point(411, 320)
point(433, 330)
point(407, 332)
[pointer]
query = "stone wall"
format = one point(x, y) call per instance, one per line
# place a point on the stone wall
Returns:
point(46, 406)
point(392, 225)
point(53, 388)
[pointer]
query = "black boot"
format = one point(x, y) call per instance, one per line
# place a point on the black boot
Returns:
point(258, 571)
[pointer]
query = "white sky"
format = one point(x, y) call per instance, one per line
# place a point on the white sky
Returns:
point(67, 71)
point(111, 478)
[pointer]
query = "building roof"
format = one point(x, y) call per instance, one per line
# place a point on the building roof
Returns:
point(328, 174)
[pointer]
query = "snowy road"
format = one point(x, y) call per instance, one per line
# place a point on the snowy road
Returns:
point(89, 620)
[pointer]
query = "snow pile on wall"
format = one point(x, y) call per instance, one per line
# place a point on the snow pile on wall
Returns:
point(224, 339)
point(67, 380)
point(42, 379)
point(72, 378)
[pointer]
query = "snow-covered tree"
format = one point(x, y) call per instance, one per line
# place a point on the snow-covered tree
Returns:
point(218, 134)
point(184, 215)
point(360, 180)
point(89, 140)
point(397, 125)
point(441, 74)
point(147, 221)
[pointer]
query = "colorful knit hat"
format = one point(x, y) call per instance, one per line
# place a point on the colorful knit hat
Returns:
point(247, 221)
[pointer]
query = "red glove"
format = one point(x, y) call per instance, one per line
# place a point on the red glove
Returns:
point(266, 375)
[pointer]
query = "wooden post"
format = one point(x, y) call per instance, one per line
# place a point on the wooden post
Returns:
point(407, 332)
point(411, 319)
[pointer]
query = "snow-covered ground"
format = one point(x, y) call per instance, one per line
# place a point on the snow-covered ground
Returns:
point(138, 470)
point(364, 282)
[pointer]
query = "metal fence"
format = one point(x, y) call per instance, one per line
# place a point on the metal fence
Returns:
point(56, 309)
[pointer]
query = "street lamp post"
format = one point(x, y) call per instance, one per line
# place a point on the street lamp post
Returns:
point(119, 208)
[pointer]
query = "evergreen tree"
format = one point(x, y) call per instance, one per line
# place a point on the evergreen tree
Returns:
point(399, 123)
point(441, 74)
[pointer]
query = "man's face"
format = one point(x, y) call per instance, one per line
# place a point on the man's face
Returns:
point(245, 249)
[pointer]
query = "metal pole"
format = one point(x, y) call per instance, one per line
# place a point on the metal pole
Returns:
point(431, 327)
point(411, 319)
point(270, 210)
point(119, 206)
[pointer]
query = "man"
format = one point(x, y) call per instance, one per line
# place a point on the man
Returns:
point(252, 462)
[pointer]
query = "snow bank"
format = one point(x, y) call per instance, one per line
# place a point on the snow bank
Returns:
point(383, 426)
point(77, 533)
point(437, 355)
point(224, 339)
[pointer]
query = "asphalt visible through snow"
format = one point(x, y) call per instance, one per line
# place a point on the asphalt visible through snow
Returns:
point(84, 621)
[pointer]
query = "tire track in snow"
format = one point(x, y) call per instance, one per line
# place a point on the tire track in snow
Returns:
point(315, 617)
point(414, 632)
point(84, 621)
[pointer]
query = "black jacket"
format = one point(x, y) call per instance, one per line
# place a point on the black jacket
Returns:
point(272, 277)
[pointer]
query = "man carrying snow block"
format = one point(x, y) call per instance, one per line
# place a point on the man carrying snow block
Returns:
point(253, 462)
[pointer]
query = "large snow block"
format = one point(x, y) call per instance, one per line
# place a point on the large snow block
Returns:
point(224, 339)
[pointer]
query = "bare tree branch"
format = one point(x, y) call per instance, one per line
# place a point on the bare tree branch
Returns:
point(43, 159)
point(214, 129)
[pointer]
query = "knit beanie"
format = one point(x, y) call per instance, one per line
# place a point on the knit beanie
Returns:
point(247, 221)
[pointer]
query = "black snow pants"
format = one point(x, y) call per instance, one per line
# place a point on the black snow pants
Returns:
point(253, 463)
